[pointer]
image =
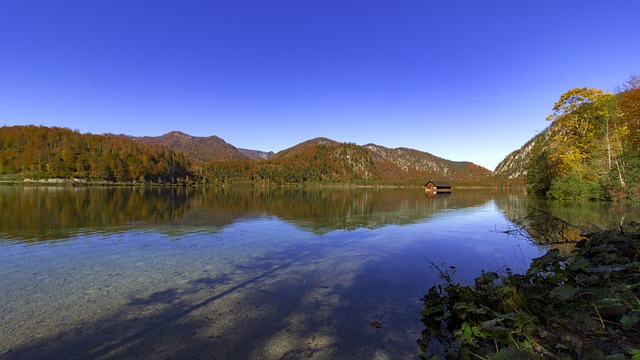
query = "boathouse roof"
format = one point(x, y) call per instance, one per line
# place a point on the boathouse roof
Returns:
point(439, 184)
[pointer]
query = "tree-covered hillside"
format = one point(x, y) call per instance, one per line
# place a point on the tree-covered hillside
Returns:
point(203, 149)
point(41, 152)
point(325, 160)
point(591, 149)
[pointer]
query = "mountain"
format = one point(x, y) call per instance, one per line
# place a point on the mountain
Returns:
point(320, 159)
point(257, 154)
point(410, 163)
point(303, 146)
point(38, 152)
point(205, 149)
point(335, 161)
point(514, 165)
point(63, 153)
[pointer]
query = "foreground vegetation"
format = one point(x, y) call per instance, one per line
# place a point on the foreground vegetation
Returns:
point(584, 305)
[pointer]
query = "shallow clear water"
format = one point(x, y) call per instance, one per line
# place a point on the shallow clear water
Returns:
point(247, 274)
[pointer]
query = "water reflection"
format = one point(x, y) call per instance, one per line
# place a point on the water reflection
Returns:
point(558, 222)
point(34, 214)
point(38, 213)
point(257, 273)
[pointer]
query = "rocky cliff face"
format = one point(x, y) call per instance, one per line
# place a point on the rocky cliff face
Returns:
point(257, 154)
point(410, 161)
point(514, 165)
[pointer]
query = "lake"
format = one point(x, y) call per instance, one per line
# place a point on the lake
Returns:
point(254, 273)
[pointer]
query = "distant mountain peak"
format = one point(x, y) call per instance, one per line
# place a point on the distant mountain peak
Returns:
point(178, 134)
point(319, 141)
point(211, 148)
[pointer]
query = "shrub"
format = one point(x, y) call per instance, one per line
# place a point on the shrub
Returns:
point(574, 187)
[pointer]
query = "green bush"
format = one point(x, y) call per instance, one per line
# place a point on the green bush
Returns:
point(574, 187)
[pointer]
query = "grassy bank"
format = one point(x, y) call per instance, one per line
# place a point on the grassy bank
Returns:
point(583, 305)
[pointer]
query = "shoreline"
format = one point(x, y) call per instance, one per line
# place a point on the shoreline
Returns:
point(240, 183)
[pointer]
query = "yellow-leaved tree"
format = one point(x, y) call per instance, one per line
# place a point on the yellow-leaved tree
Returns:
point(592, 147)
point(576, 119)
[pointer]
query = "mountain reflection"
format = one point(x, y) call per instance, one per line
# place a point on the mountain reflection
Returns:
point(36, 213)
point(49, 213)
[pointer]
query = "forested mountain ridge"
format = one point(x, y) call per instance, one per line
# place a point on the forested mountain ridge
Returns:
point(413, 163)
point(204, 149)
point(41, 152)
point(318, 159)
point(303, 146)
point(591, 149)
point(373, 161)
point(326, 160)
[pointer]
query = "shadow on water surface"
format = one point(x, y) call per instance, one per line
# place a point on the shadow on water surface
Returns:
point(277, 306)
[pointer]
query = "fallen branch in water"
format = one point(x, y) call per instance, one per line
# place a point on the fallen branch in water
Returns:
point(549, 229)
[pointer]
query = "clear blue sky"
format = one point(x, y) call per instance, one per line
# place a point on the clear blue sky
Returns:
point(464, 80)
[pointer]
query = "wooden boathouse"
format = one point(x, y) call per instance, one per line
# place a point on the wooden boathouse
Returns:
point(434, 187)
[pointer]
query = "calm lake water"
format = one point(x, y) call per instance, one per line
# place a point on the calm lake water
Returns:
point(112, 273)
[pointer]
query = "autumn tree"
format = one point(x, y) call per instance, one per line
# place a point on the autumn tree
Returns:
point(628, 108)
point(574, 115)
point(591, 147)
